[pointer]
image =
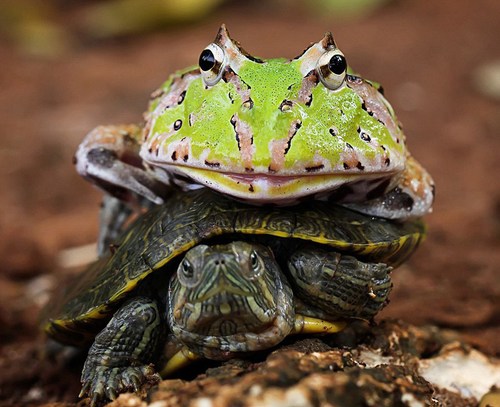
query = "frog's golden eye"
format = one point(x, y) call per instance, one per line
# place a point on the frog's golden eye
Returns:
point(332, 68)
point(212, 64)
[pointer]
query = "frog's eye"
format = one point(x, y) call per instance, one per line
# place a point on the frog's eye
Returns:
point(332, 68)
point(212, 64)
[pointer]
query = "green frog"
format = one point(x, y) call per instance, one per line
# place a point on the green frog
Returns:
point(270, 131)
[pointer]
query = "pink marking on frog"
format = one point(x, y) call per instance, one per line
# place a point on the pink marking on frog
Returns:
point(280, 147)
point(244, 137)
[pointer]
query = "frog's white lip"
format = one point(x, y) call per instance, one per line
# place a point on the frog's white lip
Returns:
point(279, 189)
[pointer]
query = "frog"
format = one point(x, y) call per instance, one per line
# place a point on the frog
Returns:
point(265, 131)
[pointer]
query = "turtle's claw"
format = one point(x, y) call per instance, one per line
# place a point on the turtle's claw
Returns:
point(106, 383)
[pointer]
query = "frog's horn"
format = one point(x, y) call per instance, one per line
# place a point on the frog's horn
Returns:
point(235, 52)
point(328, 42)
point(222, 35)
point(310, 56)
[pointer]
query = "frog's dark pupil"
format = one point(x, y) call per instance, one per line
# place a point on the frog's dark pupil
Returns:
point(207, 60)
point(337, 64)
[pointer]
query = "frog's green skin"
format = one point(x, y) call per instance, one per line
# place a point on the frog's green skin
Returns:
point(270, 131)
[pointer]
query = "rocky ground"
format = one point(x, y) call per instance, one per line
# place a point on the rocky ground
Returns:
point(438, 63)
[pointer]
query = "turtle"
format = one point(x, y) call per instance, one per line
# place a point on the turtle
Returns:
point(205, 276)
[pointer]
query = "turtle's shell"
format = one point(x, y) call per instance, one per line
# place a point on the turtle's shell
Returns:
point(189, 218)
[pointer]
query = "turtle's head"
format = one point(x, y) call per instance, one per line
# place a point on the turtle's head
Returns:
point(222, 295)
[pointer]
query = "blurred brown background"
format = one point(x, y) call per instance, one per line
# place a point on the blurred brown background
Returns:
point(67, 66)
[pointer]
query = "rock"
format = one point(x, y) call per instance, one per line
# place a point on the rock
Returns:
point(392, 364)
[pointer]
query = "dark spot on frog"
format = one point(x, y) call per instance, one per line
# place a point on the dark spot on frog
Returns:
point(387, 161)
point(382, 147)
point(181, 97)
point(350, 147)
point(286, 105)
point(248, 104)
point(74, 160)
point(102, 157)
point(346, 166)
point(174, 156)
point(360, 166)
point(150, 150)
point(397, 199)
point(250, 188)
point(190, 119)
point(297, 125)
point(333, 132)
point(309, 102)
point(212, 165)
point(252, 58)
point(312, 76)
point(314, 168)
point(364, 136)
point(177, 124)
point(379, 190)
point(185, 158)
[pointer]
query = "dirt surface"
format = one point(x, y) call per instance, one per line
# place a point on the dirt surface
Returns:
point(427, 55)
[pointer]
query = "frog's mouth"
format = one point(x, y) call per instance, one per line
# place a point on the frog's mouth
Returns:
point(282, 189)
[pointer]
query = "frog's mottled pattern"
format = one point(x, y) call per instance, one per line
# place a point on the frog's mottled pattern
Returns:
point(266, 131)
point(268, 122)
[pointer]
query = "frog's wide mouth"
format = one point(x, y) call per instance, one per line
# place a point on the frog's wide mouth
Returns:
point(282, 189)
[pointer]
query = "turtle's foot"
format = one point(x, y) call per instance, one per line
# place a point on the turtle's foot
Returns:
point(102, 383)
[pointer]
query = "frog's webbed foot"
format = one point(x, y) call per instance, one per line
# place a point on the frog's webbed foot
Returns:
point(109, 157)
point(105, 383)
point(412, 197)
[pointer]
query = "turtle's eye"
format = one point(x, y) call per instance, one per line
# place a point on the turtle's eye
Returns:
point(332, 68)
point(187, 269)
point(212, 64)
point(254, 261)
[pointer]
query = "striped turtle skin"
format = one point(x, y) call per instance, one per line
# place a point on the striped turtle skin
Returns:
point(167, 231)
point(161, 235)
point(206, 276)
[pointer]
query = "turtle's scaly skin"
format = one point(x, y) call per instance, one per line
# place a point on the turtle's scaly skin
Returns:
point(189, 218)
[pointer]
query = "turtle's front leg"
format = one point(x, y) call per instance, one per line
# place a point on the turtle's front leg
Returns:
point(340, 286)
point(120, 358)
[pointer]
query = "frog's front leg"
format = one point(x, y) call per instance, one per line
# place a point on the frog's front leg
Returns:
point(412, 197)
point(109, 157)
point(119, 359)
